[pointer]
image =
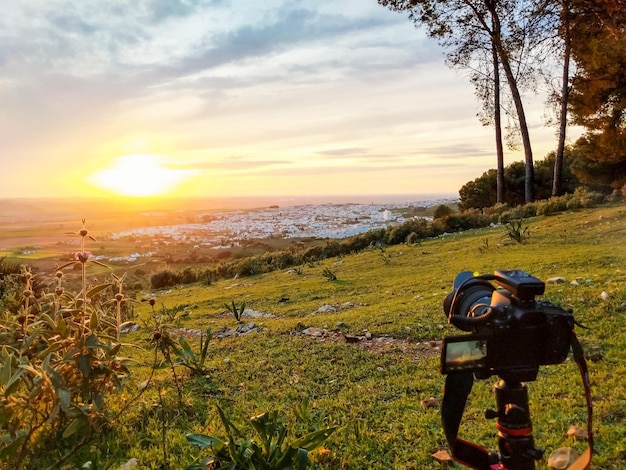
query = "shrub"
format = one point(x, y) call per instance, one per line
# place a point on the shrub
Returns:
point(272, 452)
point(399, 233)
point(586, 198)
point(59, 363)
point(164, 279)
point(442, 210)
point(236, 310)
point(552, 205)
point(516, 231)
point(412, 239)
point(465, 221)
point(328, 274)
point(188, 276)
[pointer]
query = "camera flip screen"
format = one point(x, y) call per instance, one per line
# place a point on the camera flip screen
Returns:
point(466, 353)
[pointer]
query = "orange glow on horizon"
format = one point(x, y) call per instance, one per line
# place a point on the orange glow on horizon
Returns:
point(139, 175)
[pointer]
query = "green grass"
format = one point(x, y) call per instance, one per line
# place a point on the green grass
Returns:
point(373, 395)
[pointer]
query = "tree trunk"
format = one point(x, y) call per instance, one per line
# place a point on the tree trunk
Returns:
point(529, 182)
point(557, 180)
point(497, 118)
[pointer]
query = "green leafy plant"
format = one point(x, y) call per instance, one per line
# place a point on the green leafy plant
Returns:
point(58, 364)
point(328, 274)
point(386, 257)
point(516, 231)
point(189, 358)
point(162, 342)
point(171, 317)
point(273, 451)
point(235, 310)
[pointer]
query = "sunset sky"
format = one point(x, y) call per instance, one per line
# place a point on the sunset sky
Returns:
point(230, 98)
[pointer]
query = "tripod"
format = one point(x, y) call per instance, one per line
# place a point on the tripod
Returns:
point(515, 439)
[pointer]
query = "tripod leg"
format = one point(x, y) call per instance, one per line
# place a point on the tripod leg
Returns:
point(515, 439)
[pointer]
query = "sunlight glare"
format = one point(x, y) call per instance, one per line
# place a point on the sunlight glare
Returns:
point(139, 175)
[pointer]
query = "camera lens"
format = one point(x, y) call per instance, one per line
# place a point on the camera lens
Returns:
point(470, 299)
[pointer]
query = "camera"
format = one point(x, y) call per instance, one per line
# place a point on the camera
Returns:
point(512, 333)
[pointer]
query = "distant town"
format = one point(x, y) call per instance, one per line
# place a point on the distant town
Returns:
point(344, 220)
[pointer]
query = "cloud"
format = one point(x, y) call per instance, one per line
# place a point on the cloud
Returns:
point(343, 152)
point(242, 87)
point(162, 10)
point(459, 150)
point(237, 164)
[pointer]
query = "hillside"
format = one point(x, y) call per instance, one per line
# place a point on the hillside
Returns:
point(362, 352)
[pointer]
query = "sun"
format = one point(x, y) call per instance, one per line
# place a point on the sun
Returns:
point(139, 175)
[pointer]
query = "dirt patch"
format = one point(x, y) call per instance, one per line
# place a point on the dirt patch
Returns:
point(376, 344)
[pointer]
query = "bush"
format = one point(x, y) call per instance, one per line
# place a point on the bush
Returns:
point(59, 366)
point(442, 210)
point(162, 279)
point(552, 205)
point(587, 198)
point(465, 221)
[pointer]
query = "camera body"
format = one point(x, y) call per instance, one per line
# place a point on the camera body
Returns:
point(512, 334)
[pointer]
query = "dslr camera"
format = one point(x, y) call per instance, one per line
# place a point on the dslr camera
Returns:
point(512, 333)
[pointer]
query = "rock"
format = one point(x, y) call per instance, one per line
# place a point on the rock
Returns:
point(556, 280)
point(577, 432)
point(242, 329)
point(562, 458)
point(368, 335)
point(314, 331)
point(431, 402)
point(129, 327)
point(594, 354)
point(128, 465)
point(351, 338)
point(326, 308)
point(245, 328)
point(249, 313)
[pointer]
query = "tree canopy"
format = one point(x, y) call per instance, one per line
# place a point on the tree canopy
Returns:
point(525, 40)
point(598, 98)
point(480, 193)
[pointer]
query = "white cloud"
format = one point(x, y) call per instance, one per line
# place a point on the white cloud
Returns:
point(280, 81)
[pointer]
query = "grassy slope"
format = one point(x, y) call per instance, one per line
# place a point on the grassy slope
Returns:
point(374, 396)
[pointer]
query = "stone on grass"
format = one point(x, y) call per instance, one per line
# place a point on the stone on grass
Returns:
point(129, 327)
point(577, 432)
point(326, 308)
point(314, 331)
point(562, 458)
point(431, 402)
point(130, 464)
